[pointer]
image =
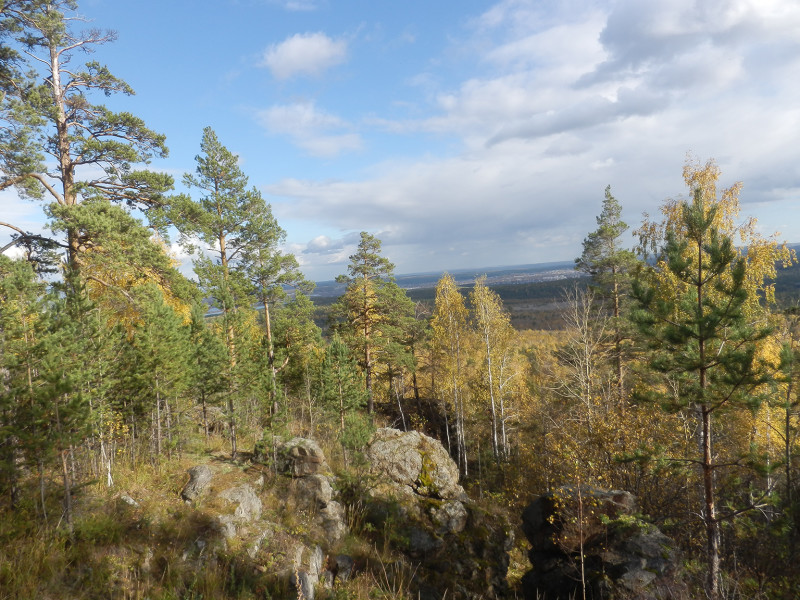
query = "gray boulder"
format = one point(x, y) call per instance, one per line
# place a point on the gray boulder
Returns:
point(300, 457)
point(334, 522)
point(312, 492)
point(311, 488)
point(343, 566)
point(303, 583)
point(307, 571)
point(248, 509)
point(248, 503)
point(414, 462)
point(451, 516)
point(457, 549)
point(199, 479)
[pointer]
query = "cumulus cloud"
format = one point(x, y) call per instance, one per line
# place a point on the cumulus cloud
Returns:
point(317, 132)
point(557, 104)
point(304, 54)
point(558, 107)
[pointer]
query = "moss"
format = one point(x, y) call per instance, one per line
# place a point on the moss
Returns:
point(426, 475)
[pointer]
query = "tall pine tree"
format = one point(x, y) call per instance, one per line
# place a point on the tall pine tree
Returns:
point(701, 338)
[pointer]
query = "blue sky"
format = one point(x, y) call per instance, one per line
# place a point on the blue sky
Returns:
point(470, 133)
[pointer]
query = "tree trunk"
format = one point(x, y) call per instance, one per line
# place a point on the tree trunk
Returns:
point(205, 414)
point(618, 349)
point(67, 494)
point(158, 421)
point(232, 422)
point(495, 448)
point(710, 515)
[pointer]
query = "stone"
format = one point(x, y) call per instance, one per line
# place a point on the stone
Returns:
point(315, 563)
point(413, 461)
point(300, 457)
point(312, 492)
point(128, 500)
point(303, 584)
point(306, 574)
point(326, 580)
point(422, 542)
point(199, 479)
point(457, 549)
point(344, 567)
point(254, 548)
point(451, 516)
point(249, 504)
point(227, 526)
point(334, 522)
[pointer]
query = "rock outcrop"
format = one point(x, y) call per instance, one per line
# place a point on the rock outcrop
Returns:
point(300, 457)
point(248, 509)
point(407, 501)
point(414, 463)
point(624, 558)
point(457, 549)
point(199, 479)
point(311, 489)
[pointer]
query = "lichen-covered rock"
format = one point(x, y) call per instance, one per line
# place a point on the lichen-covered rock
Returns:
point(307, 571)
point(312, 491)
point(624, 558)
point(199, 479)
point(248, 510)
point(334, 522)
point(300, 457)
point(451, 516)
point(412, 461)
point(453, 549)
point(248, 503)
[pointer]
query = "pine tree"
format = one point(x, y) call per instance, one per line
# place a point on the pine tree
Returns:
point(371, 308)
point(343, 394)
point(91, 150)
point(610, 266)
point(298, 346)
point(270, 272)
point(157, 369)
point(207, 365)
point(701, 338)
point(23, 326)
point(221, 219)
point(61, 404)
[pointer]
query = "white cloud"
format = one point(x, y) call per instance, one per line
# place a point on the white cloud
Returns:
point(557, 108)
point(317, 132)
point(304, 54)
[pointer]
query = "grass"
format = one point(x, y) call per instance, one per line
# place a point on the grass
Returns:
point(163, 548)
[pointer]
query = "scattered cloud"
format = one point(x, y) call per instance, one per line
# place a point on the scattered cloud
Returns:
point(317, 132)
point(298, 5)
point(560, 105)
point(304, 54)
point(497, 146)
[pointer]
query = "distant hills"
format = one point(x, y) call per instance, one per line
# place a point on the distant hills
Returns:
point(495, 276)
point(533, 293)
point(787, 283)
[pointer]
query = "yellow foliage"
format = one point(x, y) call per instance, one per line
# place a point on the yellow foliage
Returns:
point(761, 254)
point(111, 288)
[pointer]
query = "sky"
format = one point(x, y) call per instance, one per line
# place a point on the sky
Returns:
point(464, 134)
